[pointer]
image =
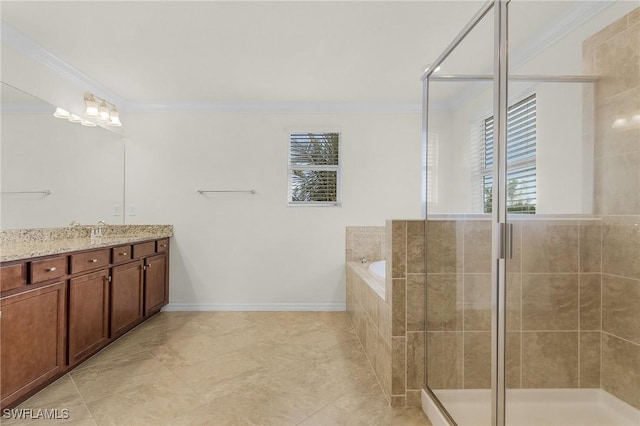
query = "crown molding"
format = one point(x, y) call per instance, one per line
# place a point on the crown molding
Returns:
point(278, 107)
point(576, 15)
point(23, 44)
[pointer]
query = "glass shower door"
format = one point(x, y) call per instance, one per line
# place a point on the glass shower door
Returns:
point(458, 230)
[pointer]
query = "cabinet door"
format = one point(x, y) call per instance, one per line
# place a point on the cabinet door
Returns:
point(126, 297)
point(155, 292)
point(32, 342)
point(88, 315)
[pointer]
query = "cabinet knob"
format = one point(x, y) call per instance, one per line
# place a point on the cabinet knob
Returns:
point(93, 260)
point(149, 266)
point(123, 254)
point(163, 245)
point(52, 269)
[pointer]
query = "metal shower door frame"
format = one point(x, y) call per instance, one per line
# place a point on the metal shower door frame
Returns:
point(501, 229)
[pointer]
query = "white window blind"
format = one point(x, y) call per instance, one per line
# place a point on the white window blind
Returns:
point(314, 169)
point(521, 158)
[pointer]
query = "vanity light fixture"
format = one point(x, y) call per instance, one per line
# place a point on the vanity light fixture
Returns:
point(114, 118)
point(92, 105)
point(75, 119)
point(95, 108)
point(103, 111)
point(61, 113)
point(88, 123)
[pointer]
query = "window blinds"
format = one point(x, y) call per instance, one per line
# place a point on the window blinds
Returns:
point(314, 168)
point(521, 158)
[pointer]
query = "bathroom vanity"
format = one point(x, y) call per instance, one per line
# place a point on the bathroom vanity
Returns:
point(64, 299)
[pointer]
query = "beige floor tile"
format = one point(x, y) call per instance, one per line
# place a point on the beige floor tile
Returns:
point(114, 353)
point(228, 368)
point(204, 376)
point(335, 416)
point(152, 402)
point(118, 376)
point(60, 394)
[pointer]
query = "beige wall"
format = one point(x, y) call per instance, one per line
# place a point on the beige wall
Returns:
point(244, 238)
point(613, 55)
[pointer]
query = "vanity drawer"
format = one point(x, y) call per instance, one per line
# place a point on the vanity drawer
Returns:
point(47, 269)
point(89, 260)
point(120, 254)
point(12, 277)
point(144, 249)
point(162, 245)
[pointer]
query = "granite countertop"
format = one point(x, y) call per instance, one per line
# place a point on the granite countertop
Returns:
point(19, 244)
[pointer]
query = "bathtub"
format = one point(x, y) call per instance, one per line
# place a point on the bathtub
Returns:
point(378, 268)
point(372, 274)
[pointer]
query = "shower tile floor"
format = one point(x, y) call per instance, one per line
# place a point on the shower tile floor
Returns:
point(226, 368)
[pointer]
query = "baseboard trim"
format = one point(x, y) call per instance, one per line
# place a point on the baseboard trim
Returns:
point(204, 307)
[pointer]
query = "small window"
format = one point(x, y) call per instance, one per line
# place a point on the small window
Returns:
point(314, 169)
point(521, 158)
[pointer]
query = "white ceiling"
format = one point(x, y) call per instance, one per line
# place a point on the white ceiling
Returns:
point(262, 51)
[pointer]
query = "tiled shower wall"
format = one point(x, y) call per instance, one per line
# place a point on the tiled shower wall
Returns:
point(405, 282)
point(553, 304)
point(613, 55)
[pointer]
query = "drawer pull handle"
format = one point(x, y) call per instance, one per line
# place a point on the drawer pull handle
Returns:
point(52, 269)
point(93, 260)
point(123, 254)
point(163, 245)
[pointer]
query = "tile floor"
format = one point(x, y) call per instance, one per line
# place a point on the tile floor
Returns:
point(227, 368)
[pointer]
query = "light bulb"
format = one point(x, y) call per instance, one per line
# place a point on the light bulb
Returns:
point(114, 118)
point(61, 113)
point(103, 111)
point(92, 107)
point(88, 123)
point(75, 119)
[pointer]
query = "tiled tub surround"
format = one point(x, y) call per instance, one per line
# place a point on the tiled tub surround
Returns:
point(365, 242)
point(391, 329)
point(613, 55)
point(16, 244)
point(370, 315)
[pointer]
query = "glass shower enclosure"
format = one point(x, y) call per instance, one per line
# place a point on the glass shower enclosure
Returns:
point(531, 123)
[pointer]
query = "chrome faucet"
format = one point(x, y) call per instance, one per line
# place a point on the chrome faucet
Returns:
point(364, 260)
point(97, 231)
point(74, 223)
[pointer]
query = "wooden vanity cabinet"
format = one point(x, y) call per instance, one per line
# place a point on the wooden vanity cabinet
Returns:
point(13, 277)
point(57, 311)
point(127, 297)
point(155, 283)
point(88, 315)
point(33, 340)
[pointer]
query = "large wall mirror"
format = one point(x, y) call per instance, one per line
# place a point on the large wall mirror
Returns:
point(55, 172)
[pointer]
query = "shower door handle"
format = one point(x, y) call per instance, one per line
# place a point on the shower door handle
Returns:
point(505, 235)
